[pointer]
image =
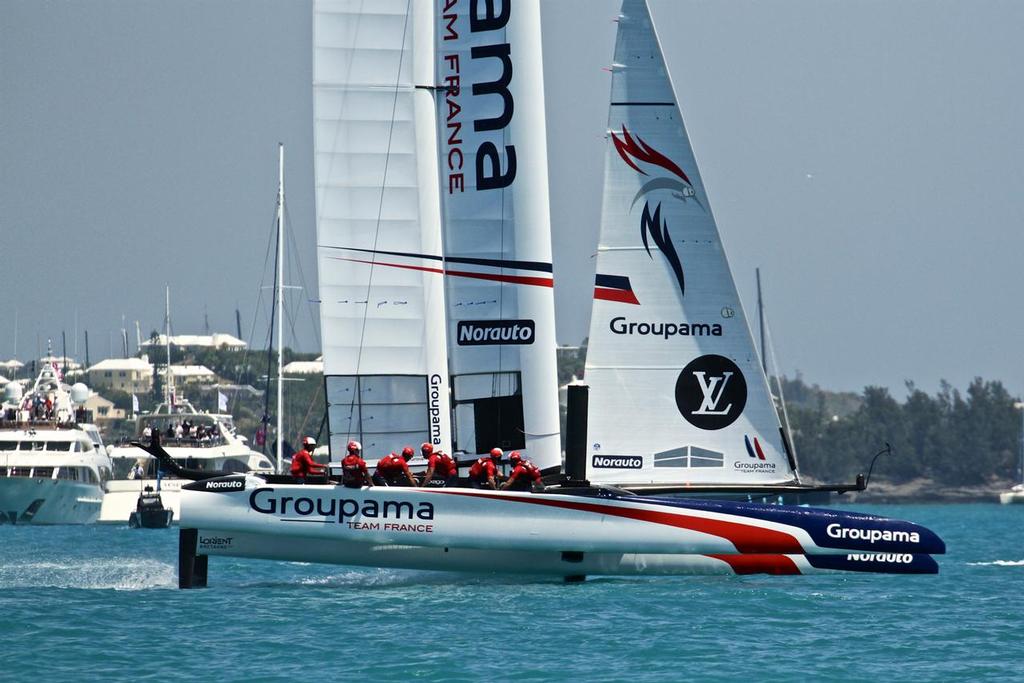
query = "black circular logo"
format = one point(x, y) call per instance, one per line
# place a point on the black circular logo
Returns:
point(711, 392)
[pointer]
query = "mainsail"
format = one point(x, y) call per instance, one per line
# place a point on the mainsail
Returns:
point(433, 226)
point(382, 308)
point(677, 393)
point(497, 232)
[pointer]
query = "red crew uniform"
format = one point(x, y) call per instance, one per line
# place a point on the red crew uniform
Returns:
point(394, 471)
point(302, 462)
point(441, 470)
point(354, 473)
point(483, 474)
point(525, 475)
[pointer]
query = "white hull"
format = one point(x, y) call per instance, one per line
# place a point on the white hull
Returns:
point(31, 500)
point(258, 546)
point(1012, 498)
point(122, 495)
point(557, 534)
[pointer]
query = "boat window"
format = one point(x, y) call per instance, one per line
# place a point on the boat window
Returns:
point(8, 445)
point(88, 475)
point(700, 457)
point(383, 412)
point(488, 411)
point(234, 465)
point(20, 471)
point(42, 472)
point(35, 445)
point(61, 446)
point(70, 473)
point(3, 471)
point(689, 456)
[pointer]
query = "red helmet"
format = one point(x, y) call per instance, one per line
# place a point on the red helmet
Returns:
point(426, 449)
point(354, 447)
point(515, 457)
point(496, 453)
point(408, 452)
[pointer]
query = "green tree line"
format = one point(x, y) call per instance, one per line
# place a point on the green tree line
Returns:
point(951, 437)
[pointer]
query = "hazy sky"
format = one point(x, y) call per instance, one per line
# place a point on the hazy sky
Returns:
point(867, 155)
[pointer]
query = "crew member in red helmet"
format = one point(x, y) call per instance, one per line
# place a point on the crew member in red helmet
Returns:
point(393, 469)
point(525, 475)
point(484, 472)
point(302, 462)
point(441, 468)
point(353, 468)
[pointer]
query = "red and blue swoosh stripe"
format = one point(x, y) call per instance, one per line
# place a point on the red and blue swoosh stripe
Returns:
point(607, 287)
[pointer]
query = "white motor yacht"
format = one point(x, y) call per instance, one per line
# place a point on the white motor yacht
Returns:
point(196, 440)
point(52, 467)
point(1014, 495)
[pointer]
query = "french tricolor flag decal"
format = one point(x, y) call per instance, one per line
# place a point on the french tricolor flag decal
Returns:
point(614, 288)
point(754, 451)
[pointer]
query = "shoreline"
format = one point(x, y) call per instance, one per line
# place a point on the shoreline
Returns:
point(925, 491)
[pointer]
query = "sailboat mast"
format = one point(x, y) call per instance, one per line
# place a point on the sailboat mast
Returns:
point(280, 301)
point(760, 322)
point(168, 389)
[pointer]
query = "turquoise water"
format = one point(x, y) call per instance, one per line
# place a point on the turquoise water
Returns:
point(95, 603)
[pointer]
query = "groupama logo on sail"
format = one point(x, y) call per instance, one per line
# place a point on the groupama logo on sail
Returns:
point(489, 51)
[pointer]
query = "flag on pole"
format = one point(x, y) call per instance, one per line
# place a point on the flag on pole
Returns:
point(135, 404)
point(222, 402)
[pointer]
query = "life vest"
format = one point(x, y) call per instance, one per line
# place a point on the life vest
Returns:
point(481, 469)
point(391, 464)
point(524, 476)
point(392, 468)
point(444, 466)
point(302, 464)
point(353, 471)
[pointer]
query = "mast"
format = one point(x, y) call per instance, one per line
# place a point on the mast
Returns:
point(760, 321)
point(280, 300)
point(168, 388)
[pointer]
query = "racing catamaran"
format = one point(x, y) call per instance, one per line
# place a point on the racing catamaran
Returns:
point(435, 282)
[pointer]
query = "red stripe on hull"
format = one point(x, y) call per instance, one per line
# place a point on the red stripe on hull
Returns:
point(625, 296)
point(780, 565)
point(746, 538)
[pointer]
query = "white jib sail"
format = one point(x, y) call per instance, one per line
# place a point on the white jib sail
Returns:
point(497, 230)
point(677, 393)
point(377, 204)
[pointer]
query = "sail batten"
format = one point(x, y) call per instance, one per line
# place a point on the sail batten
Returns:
point(677, 392)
